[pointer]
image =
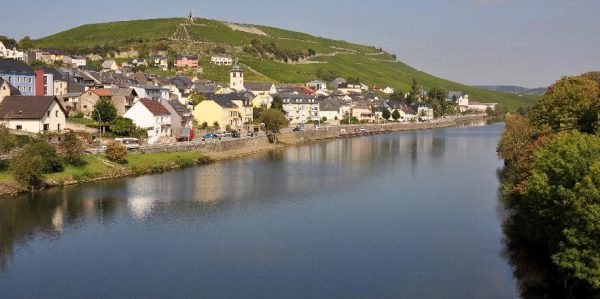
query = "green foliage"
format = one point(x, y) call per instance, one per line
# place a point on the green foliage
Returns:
point(72, 148)
point(277, 103)
point(348, 120)
point(256, 113)
point(386, 114)
point(52, 162)
point(204, 125)
point(327, 75)
point(397, 96)
point(572, 103)
point(104, 111)
point(274, 120)
point(196, 98)
point(216, 125)
point(116, 152)
point(122, 126)
point(28, 170)
point(26, 43)
point(37, 64)
point(396, 115)
point(8, 42)
point(8, 141)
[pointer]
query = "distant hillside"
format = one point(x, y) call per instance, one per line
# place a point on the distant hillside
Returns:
point(514, 89)
point(261, 49)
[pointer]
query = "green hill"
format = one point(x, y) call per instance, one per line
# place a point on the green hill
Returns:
point(341, 58)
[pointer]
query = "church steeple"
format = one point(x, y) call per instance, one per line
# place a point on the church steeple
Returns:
point(236, 76)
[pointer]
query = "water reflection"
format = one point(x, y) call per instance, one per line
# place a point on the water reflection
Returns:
point(379, 216)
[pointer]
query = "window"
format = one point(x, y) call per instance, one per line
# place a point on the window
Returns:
point(30, 89)
point(18, 79)
point(56, 112)
point(19, 127)
point(48, 113)
point(58, 129)
point(46, 127)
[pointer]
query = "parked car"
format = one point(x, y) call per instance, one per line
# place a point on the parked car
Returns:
point(361, 129)
point(299, 129)
point(235, 134)
point(186, 134)
point(129, 143)
point(208, 136)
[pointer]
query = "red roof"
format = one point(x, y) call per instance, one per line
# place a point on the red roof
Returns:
point(102, 92)
point(155, 107)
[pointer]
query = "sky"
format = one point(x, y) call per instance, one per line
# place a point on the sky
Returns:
point(529, 43)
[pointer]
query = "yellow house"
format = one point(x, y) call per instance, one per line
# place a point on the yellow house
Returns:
point(218, 109)
point(245, 109)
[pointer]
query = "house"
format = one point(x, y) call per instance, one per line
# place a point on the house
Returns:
point(300, 108)
point(407, 114)
point(424, 112)
point(33, 114)
point(50, 56)
point(220, 110)
point(317, 85)
point(59, 84)
point(262, 100)
point(151, 116)
point(458, 97)
point(6, 89)
point(481, 107)
point(8, 53)
point(110, 65)
point(122, 99)
point(19, 75)
point(183, 84)
point(74, 61)
point(388, 90)
point(348, 88)
point(182, 62)
point(138, 62)
point(221, 59)
point(160, 62)
point(331, 110)
point(337, 81)
point(258, 88)
point(363, 112)
point(181, 117)
point(44, 83)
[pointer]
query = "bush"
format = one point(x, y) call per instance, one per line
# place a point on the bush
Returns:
point(28, 170)
point(8, 141)
point(122, 126)
point(116, 152)
point(51, 161)
point(72, 148)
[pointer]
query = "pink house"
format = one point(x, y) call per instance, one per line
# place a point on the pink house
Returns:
point(186, 62)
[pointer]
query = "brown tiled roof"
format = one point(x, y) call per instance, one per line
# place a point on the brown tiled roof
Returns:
point(155, 107)
point(102, 92)
point(25, 107)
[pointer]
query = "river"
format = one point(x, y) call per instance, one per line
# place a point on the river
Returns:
point(402, 215)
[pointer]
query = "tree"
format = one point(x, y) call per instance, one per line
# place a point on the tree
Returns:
point(414, 94)
point(39, 147)
point(323, 119)
point(216, 125)
point(277, 103)
point(397, 96)
point(72, 148)
point(122, 126)
point(196, 98)
point(396, 115)
point(26, 43)
point(274, 120)
point(8, 141)
point(116, 152)
point(104, 111)
point(257, 111)
point(386, 114)
point(437, 93)
point(204, 125)
point(570, 103)
point(8, 42)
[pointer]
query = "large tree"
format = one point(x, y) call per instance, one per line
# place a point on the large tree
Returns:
point(274, 120)
point(386, 114)
point(104, 111)
point(277, 103)
point(72, 149)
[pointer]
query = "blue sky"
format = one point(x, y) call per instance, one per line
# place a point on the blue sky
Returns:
point(521, 42)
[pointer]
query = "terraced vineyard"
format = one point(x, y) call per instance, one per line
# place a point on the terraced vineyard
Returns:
point(347, 59)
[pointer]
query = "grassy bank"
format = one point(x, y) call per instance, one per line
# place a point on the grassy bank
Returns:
point(98, 168)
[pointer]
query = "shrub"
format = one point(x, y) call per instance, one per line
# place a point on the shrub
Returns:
point(116, 152)
point(28, 170)
point(51, 161)
point(72, 148)
point(122, 126)
point(8, 141)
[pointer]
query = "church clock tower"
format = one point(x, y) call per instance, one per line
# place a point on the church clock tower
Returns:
point(236, 77)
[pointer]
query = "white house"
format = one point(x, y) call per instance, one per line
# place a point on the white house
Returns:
point(153, 117)
point(481, 107)
point(317, 85)
point(110, 65)
point(8, 53)
point(300, 108)
point(388, 90)
point(161, 62)
point(424, 112)
point(331, 109)
point(221, 59)
point(460, 98)
point(74, 61)
point(33, 114)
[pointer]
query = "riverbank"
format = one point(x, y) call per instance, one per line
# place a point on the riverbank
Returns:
point(157, 159)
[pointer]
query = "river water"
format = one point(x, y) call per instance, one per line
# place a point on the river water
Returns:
point(403, 215)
